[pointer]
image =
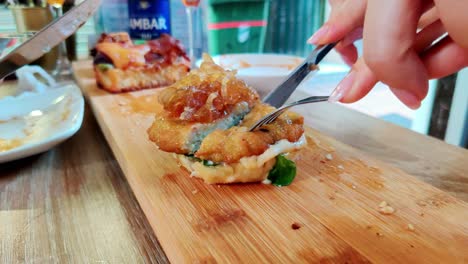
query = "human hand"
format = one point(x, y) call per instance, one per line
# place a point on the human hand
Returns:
point(395, 51)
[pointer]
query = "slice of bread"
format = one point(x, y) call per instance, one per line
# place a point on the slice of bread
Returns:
point(121, 66)
point(117, 80)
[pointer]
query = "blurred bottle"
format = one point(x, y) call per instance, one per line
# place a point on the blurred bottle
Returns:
point(149, 18)
point(179, 26)
point(112, 16)
point(179, 23)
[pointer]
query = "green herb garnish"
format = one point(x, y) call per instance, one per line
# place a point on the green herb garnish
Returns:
point(283, 172)
point(104, 67)
point(209, 163)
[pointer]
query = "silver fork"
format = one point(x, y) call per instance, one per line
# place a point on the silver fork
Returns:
point(268, 119)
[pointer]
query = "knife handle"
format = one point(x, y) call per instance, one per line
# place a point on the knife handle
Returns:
point(317, 55)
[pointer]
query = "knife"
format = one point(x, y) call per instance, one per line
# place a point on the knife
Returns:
point(49, 37)
point(280, 95)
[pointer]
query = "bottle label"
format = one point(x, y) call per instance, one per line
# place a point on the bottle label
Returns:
point(149, 18)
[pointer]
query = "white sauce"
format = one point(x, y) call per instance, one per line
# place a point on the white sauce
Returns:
point(282, 146)
point(248, 169)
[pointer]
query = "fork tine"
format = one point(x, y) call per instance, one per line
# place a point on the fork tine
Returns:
point(260, 123)
point(312, 99)
point(271, 117)
point(277, 114)
point(274, 117)
point(265, 120)
point(268, 119)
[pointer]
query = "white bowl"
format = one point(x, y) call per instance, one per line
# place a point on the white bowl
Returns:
point(263, 72)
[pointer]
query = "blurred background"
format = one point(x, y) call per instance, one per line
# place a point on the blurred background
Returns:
point(259, 26)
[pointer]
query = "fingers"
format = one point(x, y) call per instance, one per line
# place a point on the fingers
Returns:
point(428, 18)
point(355, 85)
point(354, 35)
point(347, 49)
point(396, 54)
point(361, 79)
point(345, 17)
point(407, 97)
point(389, 34)
point(364, 81)
point(348, 53)
point(453, 14)
point(424, 39)
point(445, 58)
point(428, 35)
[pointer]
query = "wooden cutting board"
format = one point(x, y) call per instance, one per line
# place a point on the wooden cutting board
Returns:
point(329, 214)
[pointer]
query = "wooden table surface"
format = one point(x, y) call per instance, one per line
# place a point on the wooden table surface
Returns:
point(73, 204)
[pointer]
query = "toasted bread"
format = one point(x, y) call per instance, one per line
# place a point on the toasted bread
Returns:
point(121, 66)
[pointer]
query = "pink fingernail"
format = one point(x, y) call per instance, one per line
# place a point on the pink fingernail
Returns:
point(317, 36)
point(343, 87)
point(408, 98)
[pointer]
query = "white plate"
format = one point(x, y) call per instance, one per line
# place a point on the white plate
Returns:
point(261, 71)
point(264, 72)
point(33, 123)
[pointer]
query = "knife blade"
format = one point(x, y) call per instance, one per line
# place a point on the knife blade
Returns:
point(280, 95)
point(49, 37)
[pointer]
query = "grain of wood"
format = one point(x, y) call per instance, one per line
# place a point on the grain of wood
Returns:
point(72, 205)
point(252, 222)
point(429, 159)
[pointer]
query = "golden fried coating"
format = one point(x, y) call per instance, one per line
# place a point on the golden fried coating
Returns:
point(230, 145)
point(202, 101)
point(208, 113)
point(201, 113)
point(206, 94)
point(170, 136)
point(184, 137)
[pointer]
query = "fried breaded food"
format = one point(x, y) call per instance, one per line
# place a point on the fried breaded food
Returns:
point(248, 169)
point(202, 101)
point(184, 137)
point(230, 145)
point(205, 120)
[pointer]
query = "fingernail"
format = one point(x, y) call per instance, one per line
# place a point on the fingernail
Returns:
point(343, 87)
point(408, 98)
point(318, 35)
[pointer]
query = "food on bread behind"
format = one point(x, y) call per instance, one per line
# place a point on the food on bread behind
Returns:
point(121, 66)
